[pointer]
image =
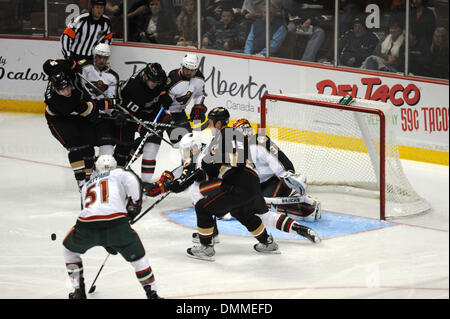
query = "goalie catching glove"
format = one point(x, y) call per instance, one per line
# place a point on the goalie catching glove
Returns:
point(134, 208)
point(297, 182)
point(159, 187)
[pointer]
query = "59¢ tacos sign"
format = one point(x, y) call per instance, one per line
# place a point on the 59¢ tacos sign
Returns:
point(414, 118)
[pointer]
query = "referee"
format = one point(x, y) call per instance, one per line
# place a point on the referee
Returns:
point(85, 32)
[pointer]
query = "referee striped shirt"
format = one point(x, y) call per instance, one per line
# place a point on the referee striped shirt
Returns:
point(83, 34)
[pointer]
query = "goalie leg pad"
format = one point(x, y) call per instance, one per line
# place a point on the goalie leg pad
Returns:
point(309, 209)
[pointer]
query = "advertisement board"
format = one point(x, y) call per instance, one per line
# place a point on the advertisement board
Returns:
point(421, 106)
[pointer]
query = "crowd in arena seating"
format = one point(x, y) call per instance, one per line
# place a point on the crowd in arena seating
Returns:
point(300, 29)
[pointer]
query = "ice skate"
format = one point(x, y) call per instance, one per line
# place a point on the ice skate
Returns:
point(306, 232)
point(196, 239)
point(201, 252)
point(151, 294)
point(270, 246)
point(79, 293)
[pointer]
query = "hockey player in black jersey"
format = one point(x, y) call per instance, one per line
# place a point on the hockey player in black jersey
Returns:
point(226, 158)
point(143, 95)
point(277, 175)
point(69, 112)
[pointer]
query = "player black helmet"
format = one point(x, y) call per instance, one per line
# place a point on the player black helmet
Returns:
point(60, 81)
point(155, 73)
point(98, 2)
point(219, 114)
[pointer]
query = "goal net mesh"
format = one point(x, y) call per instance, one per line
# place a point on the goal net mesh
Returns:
point(339, 149)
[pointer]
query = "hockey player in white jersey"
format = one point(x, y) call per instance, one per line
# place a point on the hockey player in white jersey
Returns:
point(184, 84)
point(110, 199)
point(106, 80)
point(277, 177)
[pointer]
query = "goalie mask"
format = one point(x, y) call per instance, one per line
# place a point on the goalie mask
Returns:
point(244, 126)
point(105, 163)
point(189, 146)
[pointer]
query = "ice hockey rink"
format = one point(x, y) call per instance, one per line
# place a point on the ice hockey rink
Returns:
point(403, 258)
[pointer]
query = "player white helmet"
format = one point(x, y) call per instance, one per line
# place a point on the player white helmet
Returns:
point(102, 49)
point(190, 61)
point(105, 163)
point(189, 145)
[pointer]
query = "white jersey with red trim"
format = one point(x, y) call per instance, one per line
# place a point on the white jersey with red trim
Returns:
point(182, 91)
point(106, 81)
point(104, 197)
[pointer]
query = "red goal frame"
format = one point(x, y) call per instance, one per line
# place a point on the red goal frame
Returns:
point(380, 113)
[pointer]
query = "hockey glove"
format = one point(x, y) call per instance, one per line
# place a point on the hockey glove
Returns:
point(187, 178)
point(133, 208)
point(165, 100)
point(76, 66)
point(198, 113)
point(297, 182)
point(159, 187)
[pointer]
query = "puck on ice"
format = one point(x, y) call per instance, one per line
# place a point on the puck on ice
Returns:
point(53, 236)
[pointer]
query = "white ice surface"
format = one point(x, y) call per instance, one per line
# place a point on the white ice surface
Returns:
point(38, 197)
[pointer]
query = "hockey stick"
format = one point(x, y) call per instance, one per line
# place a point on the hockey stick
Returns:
point(124, 110)
point(92, 288)
point(147, 135)
point(148, 209)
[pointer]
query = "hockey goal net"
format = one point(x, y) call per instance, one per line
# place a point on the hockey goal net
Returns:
point(342, 148)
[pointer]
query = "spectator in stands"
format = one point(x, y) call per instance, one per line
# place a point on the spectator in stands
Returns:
point(356, 44)
point(387, 55)
point(113, 8)
point(423, 20)
point(252, 10)
point(348, 11)
point(154, 26)
point(311, 15)
point(226, 35)
point(419, 54)
point(398, 11)
point(256, 39)
point(438, 66)
point(213, 12)
point(187, 24)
